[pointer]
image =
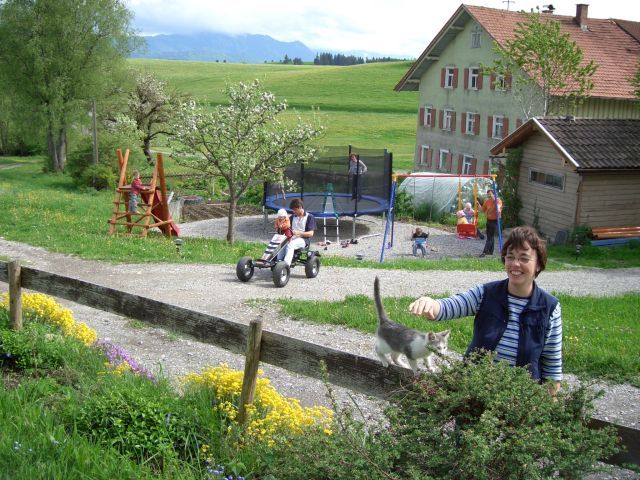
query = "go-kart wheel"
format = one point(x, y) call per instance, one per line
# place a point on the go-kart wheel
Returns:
point(280, 274)
point(312, 266)
point(244, 269)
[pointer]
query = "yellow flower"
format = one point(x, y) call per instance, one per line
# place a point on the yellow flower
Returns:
point(39, 307)
point(270, 415)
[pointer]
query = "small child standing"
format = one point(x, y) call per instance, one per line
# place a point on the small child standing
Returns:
point(419, 238)
point(136, 188)
point(283, 224)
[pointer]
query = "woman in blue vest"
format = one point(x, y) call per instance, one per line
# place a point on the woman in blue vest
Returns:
point(514, 318)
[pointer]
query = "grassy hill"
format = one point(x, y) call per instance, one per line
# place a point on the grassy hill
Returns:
point(356, 104)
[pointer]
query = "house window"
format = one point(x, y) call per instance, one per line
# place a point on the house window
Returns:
point(424, 154)
point(467, 163)
point(449, 73)
point(475, 37)
point(498, 126)
point(474, 73)
point(501, 82)
point(552, 180)
point(470, 124)
point(428, 116)
point(447, 119)
point(442, 160)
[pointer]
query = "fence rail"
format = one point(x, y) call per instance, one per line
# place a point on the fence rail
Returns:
point(354, 372)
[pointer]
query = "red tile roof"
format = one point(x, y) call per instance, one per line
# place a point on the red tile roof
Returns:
point(613, 44)
point(612, 48)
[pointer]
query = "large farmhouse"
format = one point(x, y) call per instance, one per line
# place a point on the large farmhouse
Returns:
point(462, 112)
point(577, 172)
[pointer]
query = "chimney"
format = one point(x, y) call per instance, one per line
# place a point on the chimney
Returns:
point(582, 13)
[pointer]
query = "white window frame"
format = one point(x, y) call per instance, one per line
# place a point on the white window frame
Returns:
point(474, 74)
point(467, 163)
point(442, 159)
point(500, 82)
point(470, 124)
point(424, 152)
point(428, 116)
point(498, 126)
point(447, 118)
point(476, 37)
point(546, 179)
point(448, 76)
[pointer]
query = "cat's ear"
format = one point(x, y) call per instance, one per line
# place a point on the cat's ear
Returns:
point(446, 333)
point(431, 336)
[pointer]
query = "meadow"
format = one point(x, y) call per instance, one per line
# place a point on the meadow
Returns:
point(356, 104)
point(71, 408)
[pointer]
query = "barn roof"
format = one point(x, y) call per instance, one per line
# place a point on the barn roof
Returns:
point(589, 144)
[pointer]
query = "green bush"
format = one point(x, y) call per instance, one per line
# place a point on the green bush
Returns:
point(35, 348)
point(141, 419)
point(486, 420)
point(104, 175)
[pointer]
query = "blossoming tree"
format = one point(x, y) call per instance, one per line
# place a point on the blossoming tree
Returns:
point(244, 141)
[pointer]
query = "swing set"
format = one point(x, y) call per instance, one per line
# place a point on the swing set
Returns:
point(462, 230)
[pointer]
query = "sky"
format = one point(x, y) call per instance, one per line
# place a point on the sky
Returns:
point(399, 28)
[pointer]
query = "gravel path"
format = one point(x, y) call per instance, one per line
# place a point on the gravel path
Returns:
point(214, 289)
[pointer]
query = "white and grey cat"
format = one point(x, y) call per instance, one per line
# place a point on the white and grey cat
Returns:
point(395, 339)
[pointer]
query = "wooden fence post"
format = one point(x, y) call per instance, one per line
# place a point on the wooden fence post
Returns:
point(250, 369)
point(15, 295)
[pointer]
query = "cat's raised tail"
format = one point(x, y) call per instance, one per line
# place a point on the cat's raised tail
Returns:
point(382, 315)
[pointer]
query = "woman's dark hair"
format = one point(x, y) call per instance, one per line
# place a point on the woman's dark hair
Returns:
point(521, 235)
point(296, 203)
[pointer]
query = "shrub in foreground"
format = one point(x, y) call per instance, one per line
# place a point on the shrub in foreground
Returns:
point(486, 420)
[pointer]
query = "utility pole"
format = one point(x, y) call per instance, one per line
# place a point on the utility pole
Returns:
point(95, 138)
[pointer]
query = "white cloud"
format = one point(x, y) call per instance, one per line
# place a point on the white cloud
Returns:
point(399, 27)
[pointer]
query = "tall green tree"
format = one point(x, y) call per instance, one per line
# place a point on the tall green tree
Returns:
point(57, 55)
point(244, 142)
point(548, 71)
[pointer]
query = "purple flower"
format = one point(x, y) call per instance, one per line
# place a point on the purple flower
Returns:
point(117, 356)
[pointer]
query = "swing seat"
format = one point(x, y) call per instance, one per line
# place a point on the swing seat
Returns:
point(466, 230)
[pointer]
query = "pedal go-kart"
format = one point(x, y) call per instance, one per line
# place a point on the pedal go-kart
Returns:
point(280, 272)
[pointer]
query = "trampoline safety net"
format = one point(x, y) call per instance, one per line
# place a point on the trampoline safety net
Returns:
point(326, 187)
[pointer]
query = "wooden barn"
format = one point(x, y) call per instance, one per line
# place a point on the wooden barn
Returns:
point(577, 172)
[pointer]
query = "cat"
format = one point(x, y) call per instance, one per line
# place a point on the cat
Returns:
point(395, 339)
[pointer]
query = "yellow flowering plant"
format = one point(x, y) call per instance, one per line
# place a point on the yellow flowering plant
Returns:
point(271, 415)
point(39, 307)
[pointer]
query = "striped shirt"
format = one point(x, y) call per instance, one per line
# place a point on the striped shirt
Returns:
point(467, 304)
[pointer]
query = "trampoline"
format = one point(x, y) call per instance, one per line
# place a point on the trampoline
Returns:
point(330, 205)
point(326, 188)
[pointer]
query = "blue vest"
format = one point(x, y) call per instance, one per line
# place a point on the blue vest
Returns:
point(492, 317)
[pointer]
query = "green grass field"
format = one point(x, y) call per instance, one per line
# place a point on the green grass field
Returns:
point(356, 104)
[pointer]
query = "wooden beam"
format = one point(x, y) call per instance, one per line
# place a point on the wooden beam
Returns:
point(15, 294)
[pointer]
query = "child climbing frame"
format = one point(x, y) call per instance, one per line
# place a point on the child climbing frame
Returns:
point(153, 209)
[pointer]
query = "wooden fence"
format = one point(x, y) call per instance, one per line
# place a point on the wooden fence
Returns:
point(357, 373)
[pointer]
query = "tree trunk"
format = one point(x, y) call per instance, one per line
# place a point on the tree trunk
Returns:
point(57, 148)
point(4, 138)
point(146, 148)
point(231, 225)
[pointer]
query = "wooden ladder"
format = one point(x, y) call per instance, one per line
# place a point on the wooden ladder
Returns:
point(152, 211)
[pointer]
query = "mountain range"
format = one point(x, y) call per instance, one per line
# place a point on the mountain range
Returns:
point(212, 47)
